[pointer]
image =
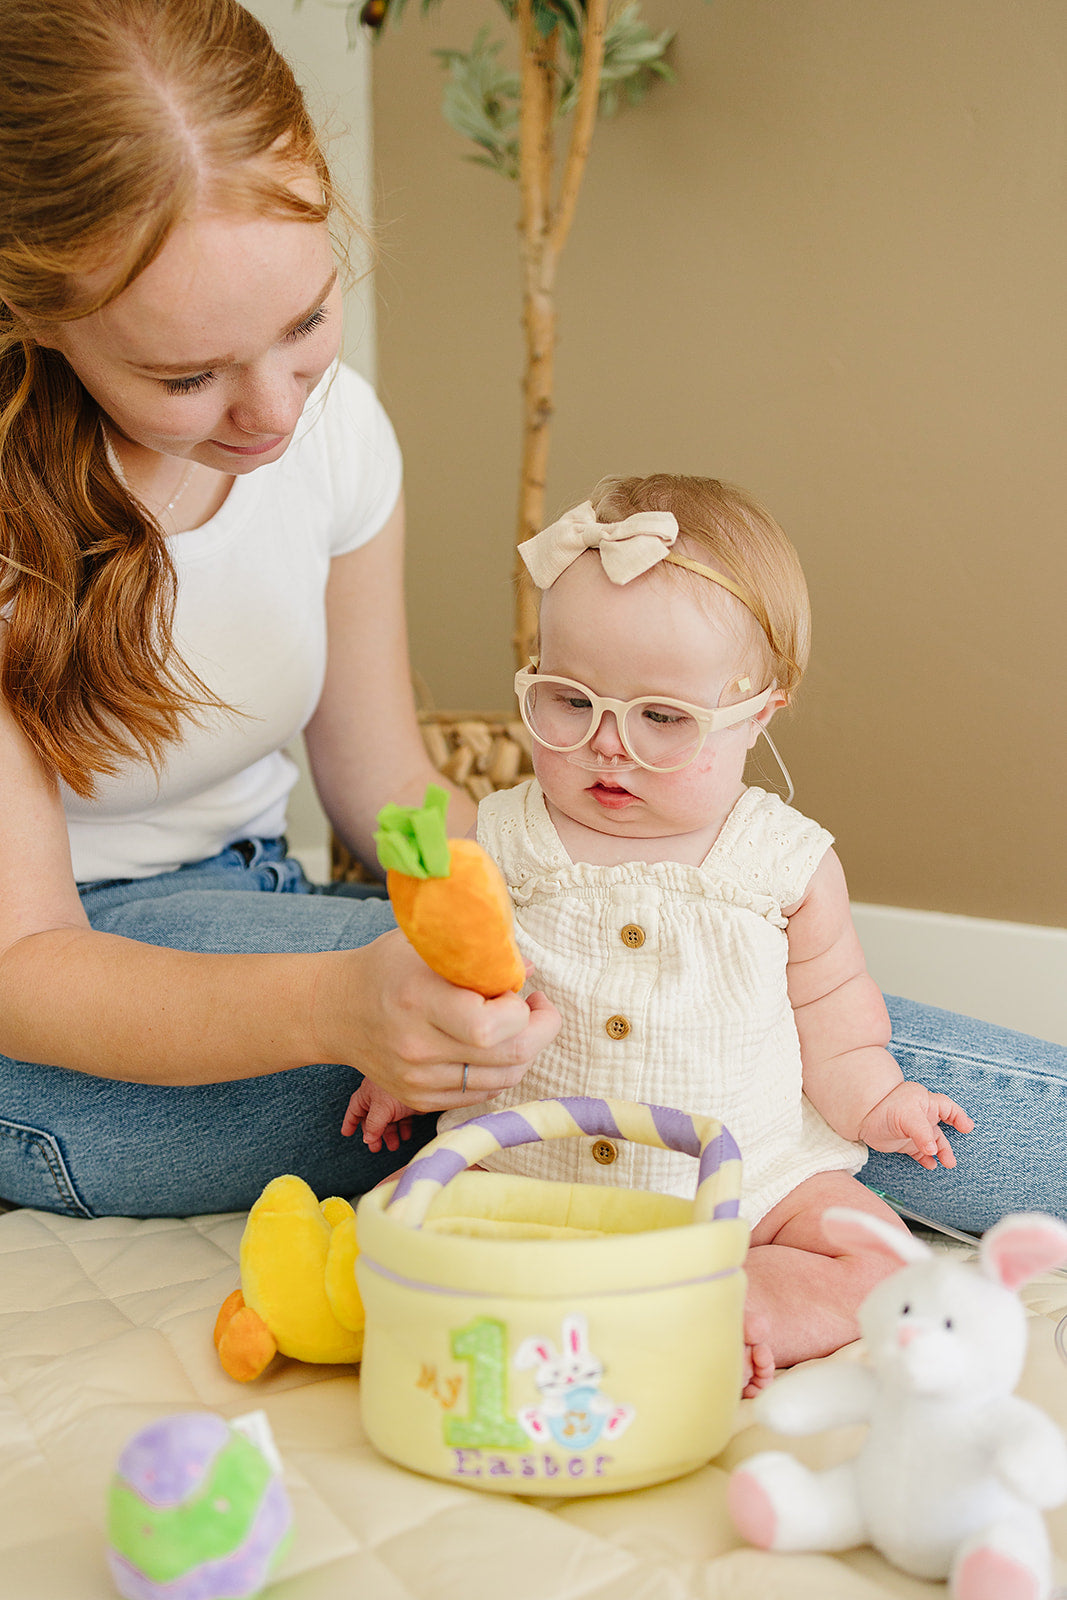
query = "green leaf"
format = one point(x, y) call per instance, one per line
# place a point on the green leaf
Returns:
point(632, 57)
point(481, 97)
point(414, 839)
point(546, 16)
point(481, 102)
point(353, 32)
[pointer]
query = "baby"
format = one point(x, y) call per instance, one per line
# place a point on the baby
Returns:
point(694, 933)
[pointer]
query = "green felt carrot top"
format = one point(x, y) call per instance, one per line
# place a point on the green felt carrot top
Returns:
point(413, 839)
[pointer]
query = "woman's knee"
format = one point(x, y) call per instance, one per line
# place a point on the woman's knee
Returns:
point(34, 1170)
point(236, 923)
point(91, 1146)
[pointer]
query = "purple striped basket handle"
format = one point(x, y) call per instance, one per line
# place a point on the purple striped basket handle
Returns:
point(718, 1173)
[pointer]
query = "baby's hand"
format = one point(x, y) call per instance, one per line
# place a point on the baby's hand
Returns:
point(908, 1122)
point(383, 1117)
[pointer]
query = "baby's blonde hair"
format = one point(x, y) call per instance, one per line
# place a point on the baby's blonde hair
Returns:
point(725, 528)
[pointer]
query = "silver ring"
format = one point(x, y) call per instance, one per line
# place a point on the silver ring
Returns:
point(463, 1085)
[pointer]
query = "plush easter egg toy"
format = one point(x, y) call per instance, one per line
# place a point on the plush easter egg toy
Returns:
point(195, 1512)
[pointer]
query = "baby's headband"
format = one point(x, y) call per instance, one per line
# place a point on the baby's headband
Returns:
point(626, 548)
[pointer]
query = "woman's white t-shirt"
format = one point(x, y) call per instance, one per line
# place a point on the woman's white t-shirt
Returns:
point(250, 622)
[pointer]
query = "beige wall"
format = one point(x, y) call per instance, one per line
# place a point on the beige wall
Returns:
point(336, 84)
point(827, 264)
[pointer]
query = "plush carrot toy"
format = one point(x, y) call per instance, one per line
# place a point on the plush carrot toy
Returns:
point(449, 898)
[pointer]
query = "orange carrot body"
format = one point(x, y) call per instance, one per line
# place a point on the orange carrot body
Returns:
point(462, 925)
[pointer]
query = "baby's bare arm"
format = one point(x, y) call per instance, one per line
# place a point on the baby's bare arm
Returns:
point(839, 1011)
point(843, 1026)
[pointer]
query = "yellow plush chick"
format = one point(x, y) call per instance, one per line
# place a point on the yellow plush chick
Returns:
point(298, 1284)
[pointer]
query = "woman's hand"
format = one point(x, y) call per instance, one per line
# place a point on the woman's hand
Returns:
point(383, 1011)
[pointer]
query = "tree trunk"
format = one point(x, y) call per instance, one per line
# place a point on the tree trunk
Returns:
point(543, 231)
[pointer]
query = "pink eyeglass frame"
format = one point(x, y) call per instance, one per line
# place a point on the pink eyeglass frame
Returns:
point(707, 720)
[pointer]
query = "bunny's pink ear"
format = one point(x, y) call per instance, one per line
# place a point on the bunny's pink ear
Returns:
point(575, 1334)
point(533, 1350)
point(1021, 1246)
point(859, 1229)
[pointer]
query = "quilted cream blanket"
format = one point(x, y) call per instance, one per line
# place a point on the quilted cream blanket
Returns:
point(106, 1326)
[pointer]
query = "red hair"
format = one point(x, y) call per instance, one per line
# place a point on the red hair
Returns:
point(117, 117)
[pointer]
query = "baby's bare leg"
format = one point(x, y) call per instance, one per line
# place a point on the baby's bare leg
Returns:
point(808, 1289)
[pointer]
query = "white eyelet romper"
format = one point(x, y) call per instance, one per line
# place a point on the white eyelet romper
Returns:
point(671, 981)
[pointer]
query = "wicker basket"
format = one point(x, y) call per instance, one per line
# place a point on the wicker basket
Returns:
point(479, 751)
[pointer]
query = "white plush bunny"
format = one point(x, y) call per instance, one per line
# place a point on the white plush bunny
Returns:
point(954, 1472)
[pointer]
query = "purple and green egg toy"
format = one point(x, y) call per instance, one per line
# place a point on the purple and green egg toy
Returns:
point(195, 1512)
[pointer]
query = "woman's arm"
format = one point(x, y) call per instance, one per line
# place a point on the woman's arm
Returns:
point(110, 1006)
point(364, 745)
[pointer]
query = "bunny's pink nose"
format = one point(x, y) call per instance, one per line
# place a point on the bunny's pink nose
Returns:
point(906, 1335)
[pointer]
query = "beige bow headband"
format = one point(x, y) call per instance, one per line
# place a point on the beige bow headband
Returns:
point(627, 548)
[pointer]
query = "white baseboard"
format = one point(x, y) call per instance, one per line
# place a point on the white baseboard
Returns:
point(1009, 973)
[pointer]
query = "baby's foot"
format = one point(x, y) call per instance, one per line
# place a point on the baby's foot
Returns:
point(758, 1370)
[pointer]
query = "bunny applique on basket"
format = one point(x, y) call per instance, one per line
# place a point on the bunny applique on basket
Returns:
point(548, 1338)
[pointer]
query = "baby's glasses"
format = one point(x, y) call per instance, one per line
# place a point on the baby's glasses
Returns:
point(658, 734)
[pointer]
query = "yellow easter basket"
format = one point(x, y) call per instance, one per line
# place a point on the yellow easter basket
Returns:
point(551, 1338)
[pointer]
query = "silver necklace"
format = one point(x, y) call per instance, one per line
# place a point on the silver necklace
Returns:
point(186, 479)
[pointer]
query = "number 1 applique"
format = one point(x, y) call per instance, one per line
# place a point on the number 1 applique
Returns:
point(482, 1344)
point(571, 1410)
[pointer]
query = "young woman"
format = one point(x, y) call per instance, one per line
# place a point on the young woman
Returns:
point(202, 537)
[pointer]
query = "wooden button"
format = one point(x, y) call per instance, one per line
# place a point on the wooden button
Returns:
point(632, 936)
point(616, 1027)
point(604, 1151)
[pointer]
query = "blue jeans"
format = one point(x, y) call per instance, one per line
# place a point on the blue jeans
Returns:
point(1015, 1088)
point(90, 1146)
